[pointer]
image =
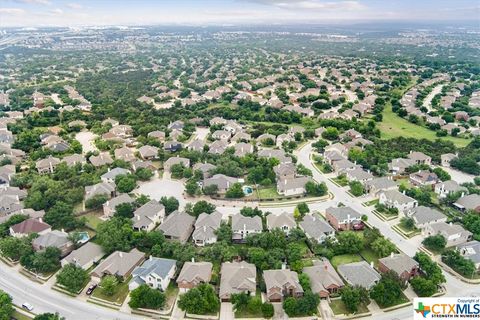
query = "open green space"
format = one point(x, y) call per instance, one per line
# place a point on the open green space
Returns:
point(93, 220)
point(338, 307)
point(394, 126)
point(268, 193)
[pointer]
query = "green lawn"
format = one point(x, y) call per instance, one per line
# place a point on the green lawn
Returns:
point(369, 255)
point(170, 295)
point(400, 300)
point(93, 220)
point(20, 316)
point(371, 203)
point(394, 126)
point(345, 258)
point(338, 307)
point(268, 193)
point(341, 181)
point(121, 292)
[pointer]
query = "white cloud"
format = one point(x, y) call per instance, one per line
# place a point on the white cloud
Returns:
point(311, 4)
point(75, 6)
point(15, 11)
point(56, 11)
point(40, 2)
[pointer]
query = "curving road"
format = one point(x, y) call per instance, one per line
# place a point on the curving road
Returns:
point(45, 299)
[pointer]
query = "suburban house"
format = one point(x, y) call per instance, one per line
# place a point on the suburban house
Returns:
point(423, 216)
point(167, 165)
point(293, 186)
point(148, 216)
point(470, 202)
point(443, 189)
point(101, 188)
point(243, 226)
point(453, 233)
point(471, 251)
point(85, 256)
point(28, 227)
point(242, 149)
point(177, 226)
point(222, 182)
point(283, 221)
point(205, 228)
point(74, 159)
point(358, 174)
point(446, 158)
point(420, 158)
point(316, 228)
point(124, 154)
point(237, 277)
point(377, 185)
point(120, 264)
point(47, 165)
point(172, 146)
point(205, 168)
point(423, 178)
point(280, 155)
point(399, 165)
point(218, 147)
point(285, 171)
point(102, 159)
point(155, 272)
point(110, 175)
point(396, 199)
point(324, 279)
point(110, 206)
point(404, 266)
point(148, 152)
point(343, 218)
point(193, 274)
point(55, 238)
point(344, 165)
point(282, 283)
point(359, 274)
point(6, 174)
point(221, 135)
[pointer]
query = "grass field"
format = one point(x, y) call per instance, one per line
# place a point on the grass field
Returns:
point(268, 193)
point(338, 307)
point(345, 258)
point(121, 292)
point(394, 126)
point(93, 220)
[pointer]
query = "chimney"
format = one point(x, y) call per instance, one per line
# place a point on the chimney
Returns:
point(450, 223)
point(150, 258)
point(40, 219)
point(403, 191)
point(284, 266)
point(193, 259)
point(63, 230)
point(371, 264)
point(325, 266)
point(120, 254)
point(391, 255)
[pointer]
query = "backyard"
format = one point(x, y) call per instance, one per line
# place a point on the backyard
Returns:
point(338, 307)
point(345, 258)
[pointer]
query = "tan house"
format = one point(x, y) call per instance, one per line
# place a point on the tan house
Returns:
point(282, 283)
point(324, 279)
point(237, 277)
point(193, 274)
point(120, 264)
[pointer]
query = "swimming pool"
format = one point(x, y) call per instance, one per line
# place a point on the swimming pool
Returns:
point(83, 237)
point(247, 190)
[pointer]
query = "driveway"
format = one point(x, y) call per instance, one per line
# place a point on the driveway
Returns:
point(226, 311)
point(159, 187)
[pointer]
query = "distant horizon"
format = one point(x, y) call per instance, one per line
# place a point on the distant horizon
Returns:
point(65, 13)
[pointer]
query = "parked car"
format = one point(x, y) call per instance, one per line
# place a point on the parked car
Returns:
point(358, 226)
point(27, 306)
point(91, 288)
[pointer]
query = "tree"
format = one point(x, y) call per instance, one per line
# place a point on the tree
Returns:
point(61, 216)
point(124, 210)
point(370, 235)
point(267, 310)
point(224, 232)
point(442, 174)
point(356, 188)
point(210, 190)
point(352, 297)
point(387, 291)
point(316, 189)
point(320, 145)
point(304, 306)
point(200, 300)
point(144, 174)
point(348, 242)
point(6, 306)
point(202, 206)
point(171, 204)
point(454, 259)
point(382, 247)
point(125, 183)
point(423, 287)
point(192, 188)
point(14, 248)
point(431, 270)
point(330, 133)
point(435, 242)
point(303, 208)
point(73, 278)
point(235, 191)
point(115, 234)
point(146, 297)
point(109, 285)
point(96, 201)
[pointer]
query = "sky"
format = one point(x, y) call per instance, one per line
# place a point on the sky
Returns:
point(36, 13)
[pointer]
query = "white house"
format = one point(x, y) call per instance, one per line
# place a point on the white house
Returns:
point(155, 272)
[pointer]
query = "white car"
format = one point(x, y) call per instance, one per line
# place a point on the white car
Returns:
point(27, 306)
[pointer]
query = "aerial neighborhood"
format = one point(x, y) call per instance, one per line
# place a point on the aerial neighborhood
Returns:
point(177, 181)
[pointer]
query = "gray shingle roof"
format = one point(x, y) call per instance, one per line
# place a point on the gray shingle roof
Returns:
point(195, 272)
point(322, 275)
point(399, 263)
point(237, 277)
point(177, 225)
point(343, 213)
point(422, 214)
point(359, 273)
point(157, 266)
point(315, 227)
point(250, 223)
